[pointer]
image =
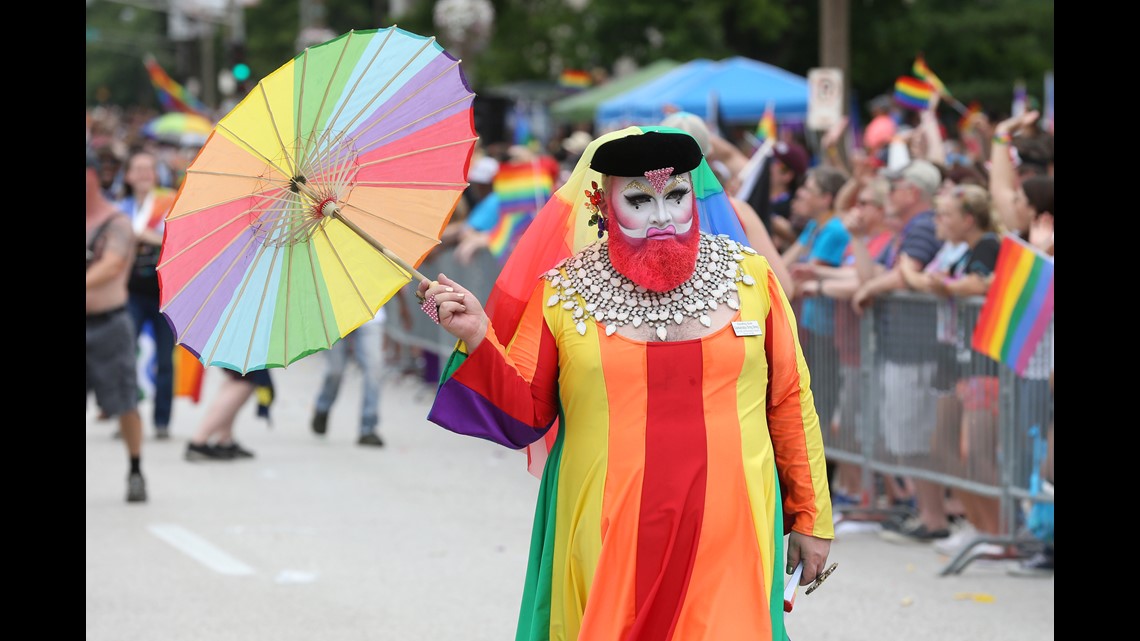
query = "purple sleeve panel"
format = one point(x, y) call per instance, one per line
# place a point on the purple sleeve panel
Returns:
point(464, 411)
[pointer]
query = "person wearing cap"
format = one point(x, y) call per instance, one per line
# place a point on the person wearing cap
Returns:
point(110, 332)
point(647, 361)
point(908, 398)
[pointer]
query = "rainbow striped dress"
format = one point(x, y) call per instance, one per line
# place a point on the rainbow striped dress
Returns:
point(660, 515)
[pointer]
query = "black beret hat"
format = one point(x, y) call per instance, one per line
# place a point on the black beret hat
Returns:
point(635, 155)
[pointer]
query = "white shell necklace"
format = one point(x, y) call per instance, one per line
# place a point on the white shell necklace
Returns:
point(587, 284)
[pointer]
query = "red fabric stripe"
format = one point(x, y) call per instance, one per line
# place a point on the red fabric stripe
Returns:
point(673, 490)
point(488, 371)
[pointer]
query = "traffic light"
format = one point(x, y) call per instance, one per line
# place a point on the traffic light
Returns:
point(239, 68)
point(241, 72)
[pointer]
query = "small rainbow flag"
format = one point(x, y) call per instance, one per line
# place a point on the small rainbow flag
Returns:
point(188, 374)
point(923, 72)
point(974, 109)
point(766, 128)
point(1018, 306)
point(172, 96)
point(575, 78)
point(522, 186)
point(913, 93)
point(506, 233)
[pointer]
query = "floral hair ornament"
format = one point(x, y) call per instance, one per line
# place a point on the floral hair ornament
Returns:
point(596, 204)
point(659, 177)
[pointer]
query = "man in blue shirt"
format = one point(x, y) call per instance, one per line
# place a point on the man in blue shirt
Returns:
point(908, 403)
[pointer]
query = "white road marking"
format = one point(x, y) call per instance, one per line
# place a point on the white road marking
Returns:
point(200, 550)
point(295, 576)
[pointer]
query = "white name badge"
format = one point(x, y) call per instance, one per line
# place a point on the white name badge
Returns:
point(747, 328)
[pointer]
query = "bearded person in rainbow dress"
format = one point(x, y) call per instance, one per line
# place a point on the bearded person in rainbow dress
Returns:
point(648, 363)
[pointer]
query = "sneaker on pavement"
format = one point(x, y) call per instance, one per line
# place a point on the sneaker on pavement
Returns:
point(371, 438)
point(896, 522)
point(136, 488)
point(320, 422)
point(1038, 565)
point(161, 433)
point(957, 541)
point(233, 450)
point(205, 452)
point(911, 533)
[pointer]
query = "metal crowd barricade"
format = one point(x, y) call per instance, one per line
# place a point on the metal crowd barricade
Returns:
point(477, 276)
point(928, 407)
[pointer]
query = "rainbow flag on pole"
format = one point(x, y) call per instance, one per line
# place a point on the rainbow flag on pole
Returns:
point(506, 233)
point(522, 188)
point(924, 72)
point(766, 128)
point(1018, 306)
point(913, 93)
point(575, 79)
point(965, 121)
point(172, 96)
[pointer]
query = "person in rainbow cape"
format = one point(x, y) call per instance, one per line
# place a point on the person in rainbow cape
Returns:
point(648, 362)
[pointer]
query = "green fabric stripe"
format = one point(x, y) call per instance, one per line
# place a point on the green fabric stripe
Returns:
point(456, 359)
point(1024, 297)
point(534, 615)
point(776, 600)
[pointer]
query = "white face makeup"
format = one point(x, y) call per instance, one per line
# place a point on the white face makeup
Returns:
point(642, 212)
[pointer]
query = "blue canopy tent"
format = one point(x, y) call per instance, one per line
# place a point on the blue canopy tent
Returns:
point(738, 88)
point(639, 106)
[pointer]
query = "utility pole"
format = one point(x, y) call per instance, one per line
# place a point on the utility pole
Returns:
point(835, 40)
point(208, 72)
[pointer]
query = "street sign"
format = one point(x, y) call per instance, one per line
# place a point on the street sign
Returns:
point(825, 97)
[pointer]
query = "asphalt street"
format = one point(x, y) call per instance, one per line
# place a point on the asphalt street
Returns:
point(319, 539)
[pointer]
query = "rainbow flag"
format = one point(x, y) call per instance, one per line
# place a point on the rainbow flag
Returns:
point(1018, 306)
point(913, 93)
point(923, 72)
point(188, 374)
point(974, 109)
point(172, 96)
point(575, 78)
point(766, 128)
point(506, 233)
point(522, 187)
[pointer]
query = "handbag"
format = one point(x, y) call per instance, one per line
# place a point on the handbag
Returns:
point(144, 271)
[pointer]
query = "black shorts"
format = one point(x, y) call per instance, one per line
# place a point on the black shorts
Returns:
point(111, 372)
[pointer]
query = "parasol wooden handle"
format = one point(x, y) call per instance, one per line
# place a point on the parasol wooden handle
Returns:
point(389, 254)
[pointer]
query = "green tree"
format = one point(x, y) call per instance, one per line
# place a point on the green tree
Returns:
point(118, 38)
point(978, 48)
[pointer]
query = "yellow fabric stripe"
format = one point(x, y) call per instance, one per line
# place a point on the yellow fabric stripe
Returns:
point(582, 479)
point(755, 443)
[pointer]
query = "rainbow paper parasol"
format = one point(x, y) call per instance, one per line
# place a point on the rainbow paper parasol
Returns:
point(314, 199)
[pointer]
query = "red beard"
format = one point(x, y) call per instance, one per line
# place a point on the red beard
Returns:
point(657, 265)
